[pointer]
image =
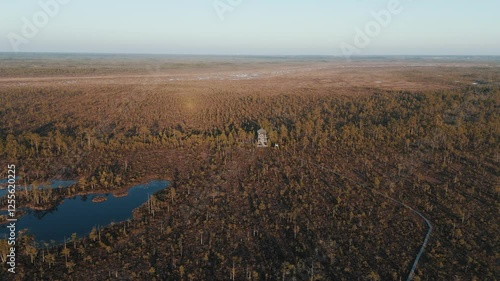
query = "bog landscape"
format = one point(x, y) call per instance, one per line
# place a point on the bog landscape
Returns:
point(146, 167)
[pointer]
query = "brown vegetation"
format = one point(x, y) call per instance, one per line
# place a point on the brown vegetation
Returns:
point(237, 212)
point(99, 199)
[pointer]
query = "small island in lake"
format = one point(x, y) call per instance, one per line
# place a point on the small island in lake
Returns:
point(99, 199)
point(119, 194)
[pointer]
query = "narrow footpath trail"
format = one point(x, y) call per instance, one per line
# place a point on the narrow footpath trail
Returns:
point(411, 274)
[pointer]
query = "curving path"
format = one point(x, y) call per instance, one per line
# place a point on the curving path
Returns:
point(426, 240)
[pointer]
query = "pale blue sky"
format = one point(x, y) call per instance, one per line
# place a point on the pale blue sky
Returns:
point(260, 27)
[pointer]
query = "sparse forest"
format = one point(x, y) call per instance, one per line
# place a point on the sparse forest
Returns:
point(303, 211)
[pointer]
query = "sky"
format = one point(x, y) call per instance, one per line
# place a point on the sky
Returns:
point(252, 27)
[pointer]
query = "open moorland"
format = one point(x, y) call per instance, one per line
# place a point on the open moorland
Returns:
point(362, 152)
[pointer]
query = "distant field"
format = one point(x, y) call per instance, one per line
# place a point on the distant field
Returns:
point(321, 73)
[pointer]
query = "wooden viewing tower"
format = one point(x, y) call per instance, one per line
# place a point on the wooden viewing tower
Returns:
point(262, 138)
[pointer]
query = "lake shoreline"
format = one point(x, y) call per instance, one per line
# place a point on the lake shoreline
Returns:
point(81, 213)
point(119, 192)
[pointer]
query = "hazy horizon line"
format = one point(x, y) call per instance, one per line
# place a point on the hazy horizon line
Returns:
point(252, 55)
